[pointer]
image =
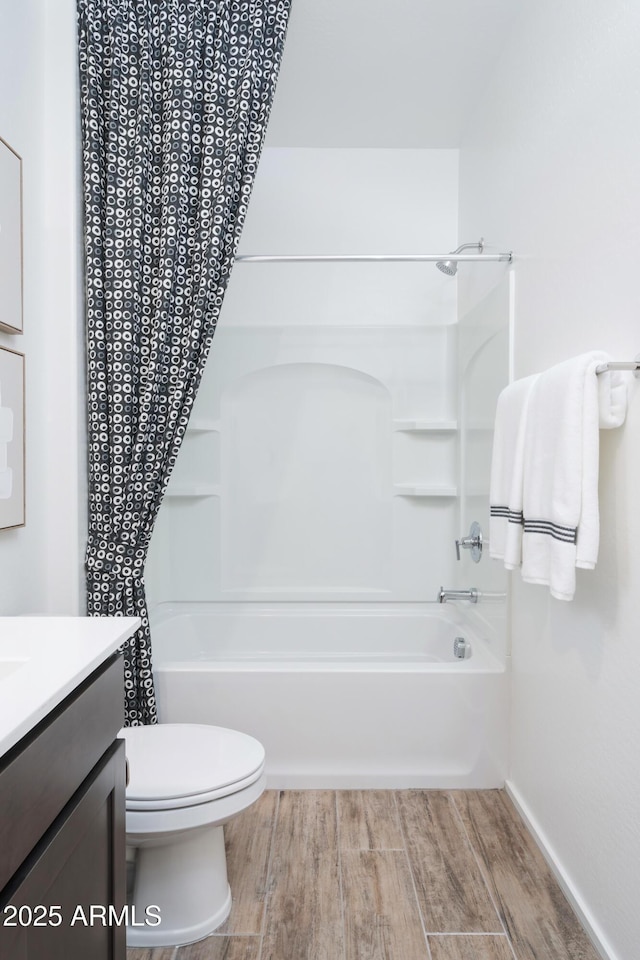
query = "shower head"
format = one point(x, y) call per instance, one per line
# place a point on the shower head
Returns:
point(450, 267)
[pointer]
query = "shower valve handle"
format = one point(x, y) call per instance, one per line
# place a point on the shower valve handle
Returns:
point(473, 542)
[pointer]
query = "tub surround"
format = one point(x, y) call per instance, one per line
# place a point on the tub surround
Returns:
point(43, 659)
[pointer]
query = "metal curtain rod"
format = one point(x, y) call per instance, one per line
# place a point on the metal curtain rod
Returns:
point(620, 365)
point(371, 257)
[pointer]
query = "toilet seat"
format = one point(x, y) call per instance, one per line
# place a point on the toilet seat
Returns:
point(182, 765)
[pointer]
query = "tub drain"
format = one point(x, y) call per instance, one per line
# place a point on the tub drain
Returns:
point(461, 648)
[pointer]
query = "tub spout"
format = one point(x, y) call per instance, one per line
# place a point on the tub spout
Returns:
point(471, 595)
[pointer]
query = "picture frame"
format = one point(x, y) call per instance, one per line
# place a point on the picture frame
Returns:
point(11, 312)
point(12, 436)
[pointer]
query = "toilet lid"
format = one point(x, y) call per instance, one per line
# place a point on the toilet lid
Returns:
point(188, 763)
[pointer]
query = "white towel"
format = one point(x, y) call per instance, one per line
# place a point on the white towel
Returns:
point(507, 471)
point(568, 404)
point(612, 398)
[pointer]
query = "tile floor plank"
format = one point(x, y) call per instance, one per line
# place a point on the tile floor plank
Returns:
point(382, 920)
point(452, 894)
point(304, 907)
point(222, 948)
point(535, 912)
point(248, 843)
point(470, 948)
point(368, 820)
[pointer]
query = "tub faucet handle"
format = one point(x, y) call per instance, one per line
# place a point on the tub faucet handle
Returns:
point(473, 542)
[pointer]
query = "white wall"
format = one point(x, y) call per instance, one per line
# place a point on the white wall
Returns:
point(342, 201)
point(40, 563)
point(383, 73)
point(549, 167)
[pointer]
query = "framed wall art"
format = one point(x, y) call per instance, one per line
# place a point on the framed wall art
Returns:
point(10, 239)
point(11, 438)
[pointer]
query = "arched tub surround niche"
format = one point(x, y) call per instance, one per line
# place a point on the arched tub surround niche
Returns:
point(306, 471)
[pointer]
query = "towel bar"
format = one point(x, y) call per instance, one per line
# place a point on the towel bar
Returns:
point(622, 365)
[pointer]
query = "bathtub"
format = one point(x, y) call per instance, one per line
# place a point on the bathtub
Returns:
point(342, 696)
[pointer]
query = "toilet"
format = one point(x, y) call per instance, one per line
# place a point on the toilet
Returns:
point(185, 782)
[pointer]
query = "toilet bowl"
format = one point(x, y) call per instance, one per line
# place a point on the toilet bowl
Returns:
point(185, 782)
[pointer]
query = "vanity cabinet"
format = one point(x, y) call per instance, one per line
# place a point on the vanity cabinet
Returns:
point(62, 829)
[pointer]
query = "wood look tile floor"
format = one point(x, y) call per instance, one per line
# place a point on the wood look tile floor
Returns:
point(387, 875)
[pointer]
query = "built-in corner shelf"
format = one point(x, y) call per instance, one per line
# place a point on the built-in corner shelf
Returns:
point(193, 490)
point(423, 490)
point(425, 426)
point(200, 425)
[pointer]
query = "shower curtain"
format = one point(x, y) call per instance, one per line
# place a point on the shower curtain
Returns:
point(175, 98)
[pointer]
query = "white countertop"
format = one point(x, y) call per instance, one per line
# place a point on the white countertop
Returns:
point(42, 659)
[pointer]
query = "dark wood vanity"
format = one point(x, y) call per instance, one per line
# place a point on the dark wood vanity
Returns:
point(62, 829)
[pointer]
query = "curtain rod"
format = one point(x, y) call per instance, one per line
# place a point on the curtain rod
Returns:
point(372, 257)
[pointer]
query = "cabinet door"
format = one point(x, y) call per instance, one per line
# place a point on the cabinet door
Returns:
point(78, 865)
point(40, 775)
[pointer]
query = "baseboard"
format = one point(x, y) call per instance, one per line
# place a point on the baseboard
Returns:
point(586, 918)
point(312, 780)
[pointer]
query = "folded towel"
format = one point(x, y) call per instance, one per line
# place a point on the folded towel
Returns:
point(611, 410)
point(507, 472)
point(568, 404)
point(612, 398)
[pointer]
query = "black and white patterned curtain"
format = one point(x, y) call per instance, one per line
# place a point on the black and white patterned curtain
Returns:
point(175, 98)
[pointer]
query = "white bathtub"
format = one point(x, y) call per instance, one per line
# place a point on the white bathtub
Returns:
point(341, 695)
